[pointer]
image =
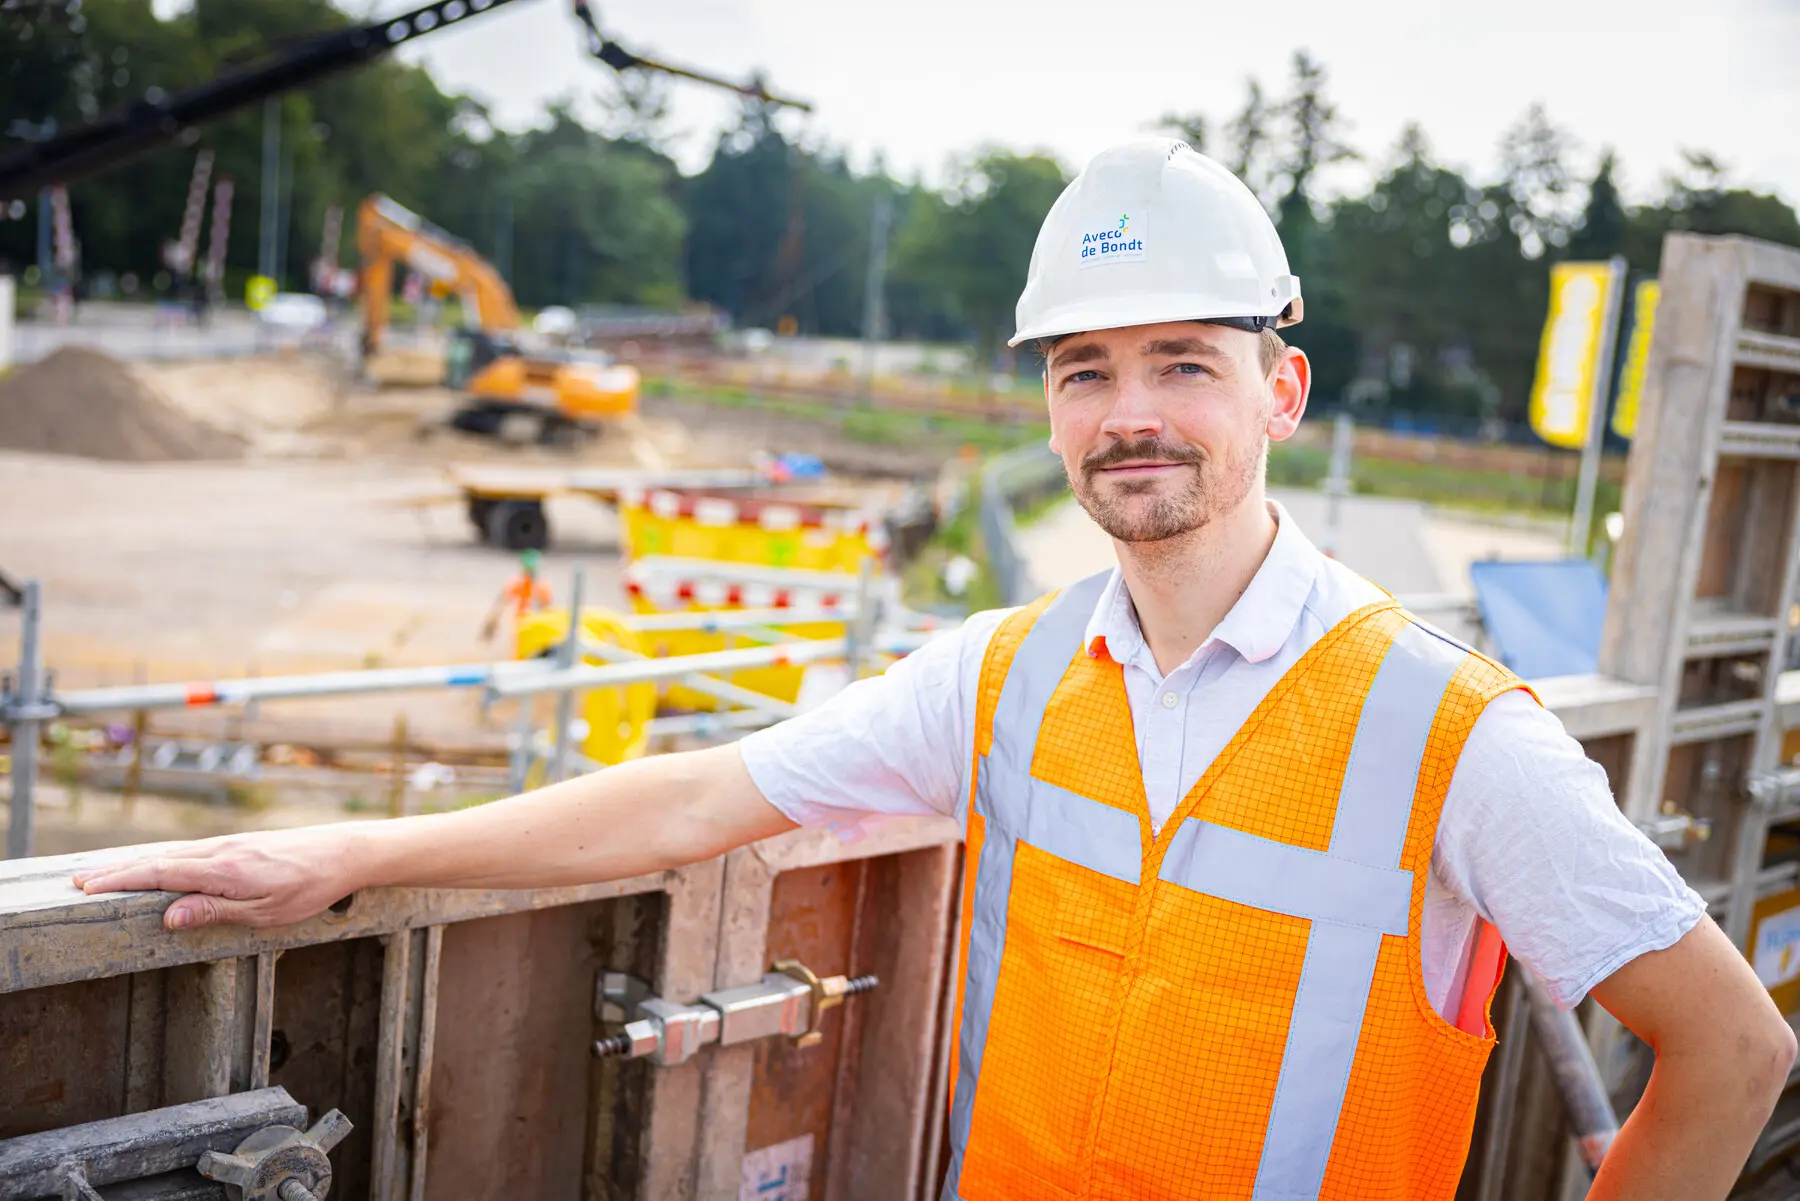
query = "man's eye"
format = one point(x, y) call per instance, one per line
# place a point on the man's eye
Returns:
point(1082, 377)
point(1189, 369)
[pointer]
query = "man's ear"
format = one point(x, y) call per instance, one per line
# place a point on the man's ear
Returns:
point(1290, 383)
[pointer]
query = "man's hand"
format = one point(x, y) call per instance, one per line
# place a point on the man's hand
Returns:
point(266, 879)
point(630, 820)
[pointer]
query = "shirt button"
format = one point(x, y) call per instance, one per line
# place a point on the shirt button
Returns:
point(1169, 701)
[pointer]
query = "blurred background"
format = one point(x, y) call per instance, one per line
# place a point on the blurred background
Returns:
point(339, 307)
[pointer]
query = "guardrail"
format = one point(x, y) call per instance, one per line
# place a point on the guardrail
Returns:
point(1029, 473)
point(874, 627)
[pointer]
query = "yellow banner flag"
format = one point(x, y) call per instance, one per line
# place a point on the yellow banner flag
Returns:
point(1569, 354)
point(1637, 359)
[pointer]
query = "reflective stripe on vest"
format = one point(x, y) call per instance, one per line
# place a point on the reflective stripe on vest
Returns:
point(1353, 894)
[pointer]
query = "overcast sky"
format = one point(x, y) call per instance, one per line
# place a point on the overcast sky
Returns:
point(923, 81)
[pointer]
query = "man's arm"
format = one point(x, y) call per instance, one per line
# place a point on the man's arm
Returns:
point(640, 817)
point(1723, 1053)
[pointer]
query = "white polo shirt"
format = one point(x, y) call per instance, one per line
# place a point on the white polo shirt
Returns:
point(1530, 837)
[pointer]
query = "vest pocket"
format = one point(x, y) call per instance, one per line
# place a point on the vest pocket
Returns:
point(1087, 918)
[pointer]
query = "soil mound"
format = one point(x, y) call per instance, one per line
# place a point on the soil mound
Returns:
point(82, 402)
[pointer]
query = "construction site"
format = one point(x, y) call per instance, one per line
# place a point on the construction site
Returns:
point(398, 543)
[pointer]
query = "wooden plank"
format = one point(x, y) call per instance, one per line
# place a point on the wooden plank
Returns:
point(396, 976)
point(1770, 265)
point(61, 1054)
point(510, 1077)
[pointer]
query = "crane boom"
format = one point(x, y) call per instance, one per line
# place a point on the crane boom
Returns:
point(162, 117)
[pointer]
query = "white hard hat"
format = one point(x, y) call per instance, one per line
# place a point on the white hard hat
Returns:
point(1153, 231)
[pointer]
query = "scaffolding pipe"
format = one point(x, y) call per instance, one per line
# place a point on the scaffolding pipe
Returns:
point(718, 689)
point(24, 711)
point(711, 663)
point(268, 688)
point(1584, 1096)
point(566, 657)
point(715, 621)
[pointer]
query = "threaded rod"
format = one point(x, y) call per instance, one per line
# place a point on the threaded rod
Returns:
point(618, 1044)
point(857, 984)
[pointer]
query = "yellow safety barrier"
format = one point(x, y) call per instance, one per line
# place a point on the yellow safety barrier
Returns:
point(782, 683)
point(617, 718)
point(772, 534)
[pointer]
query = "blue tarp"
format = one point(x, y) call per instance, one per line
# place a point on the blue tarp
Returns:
point(1543, 617)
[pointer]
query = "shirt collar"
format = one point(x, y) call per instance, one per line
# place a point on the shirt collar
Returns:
point(1257, 626)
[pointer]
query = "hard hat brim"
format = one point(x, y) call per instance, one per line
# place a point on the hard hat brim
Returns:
point(1108, 313)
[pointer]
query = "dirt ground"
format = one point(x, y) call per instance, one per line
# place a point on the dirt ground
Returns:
point(311, 552)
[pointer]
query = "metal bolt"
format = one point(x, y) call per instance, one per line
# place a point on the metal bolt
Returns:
point(293, 1190)
point(618, 1044)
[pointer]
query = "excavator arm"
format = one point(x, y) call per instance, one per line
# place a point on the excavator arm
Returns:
point(388, 232)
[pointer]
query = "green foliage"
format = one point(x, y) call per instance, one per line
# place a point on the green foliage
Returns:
point(1425, 290)
point(578, 217)
point(975, 241)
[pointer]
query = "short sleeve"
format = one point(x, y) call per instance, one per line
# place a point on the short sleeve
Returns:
point(1532, 839)
point(897, 744)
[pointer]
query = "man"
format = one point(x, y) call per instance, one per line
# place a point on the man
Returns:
point(524, 593)
point(1232, 816)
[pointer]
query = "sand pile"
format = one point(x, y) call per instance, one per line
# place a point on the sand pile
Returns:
point(81, 402)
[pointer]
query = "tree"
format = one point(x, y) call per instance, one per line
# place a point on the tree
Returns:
point(1189, 127)
point(975, 241)
point(1536, 183)
point(1314, 136)
point(1248, 133)
point(739, 209)
point(595, 221)
point(1600, 233)
point(636, 107)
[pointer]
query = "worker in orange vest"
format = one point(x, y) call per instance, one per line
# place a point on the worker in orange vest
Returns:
point(524, 594)
point(1235, 819)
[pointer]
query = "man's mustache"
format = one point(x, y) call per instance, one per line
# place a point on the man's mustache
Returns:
point(1148, 448)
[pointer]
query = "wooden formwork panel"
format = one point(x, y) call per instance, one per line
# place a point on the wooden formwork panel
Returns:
point(454, 1029)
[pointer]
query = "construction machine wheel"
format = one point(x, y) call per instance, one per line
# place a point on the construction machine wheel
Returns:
point(518, 525)
point(478, 419)
point(479, 510)
point(557, 430)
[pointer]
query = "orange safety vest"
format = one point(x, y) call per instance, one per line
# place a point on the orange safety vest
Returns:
point(1234, 1008)
point(525, 593)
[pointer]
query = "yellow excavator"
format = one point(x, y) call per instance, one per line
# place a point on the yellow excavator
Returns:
point(562, 393)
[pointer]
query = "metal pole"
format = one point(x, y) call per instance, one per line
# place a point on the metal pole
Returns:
point(21, 833)
point(519, 764)
point(566, 656)
point(1505, 1095)
point(1585, 1101)
point(271, 187)
point(874, 288)
point(46, 264)
point(1589, 480)
point(1337, 480)
point(284, 212)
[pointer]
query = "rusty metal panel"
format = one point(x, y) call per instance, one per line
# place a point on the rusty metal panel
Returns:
point(323, 1039)
point(891, 1113)
point(812, 918)
point(510, 1076)
point(62, 1055)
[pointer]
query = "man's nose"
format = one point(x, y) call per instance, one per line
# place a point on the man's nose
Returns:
point(1133, 414)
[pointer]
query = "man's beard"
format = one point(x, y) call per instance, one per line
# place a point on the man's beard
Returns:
point(1209, 491)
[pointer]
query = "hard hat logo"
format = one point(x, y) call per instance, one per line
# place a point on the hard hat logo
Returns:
point(1115, 244)
point(1218, 256)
